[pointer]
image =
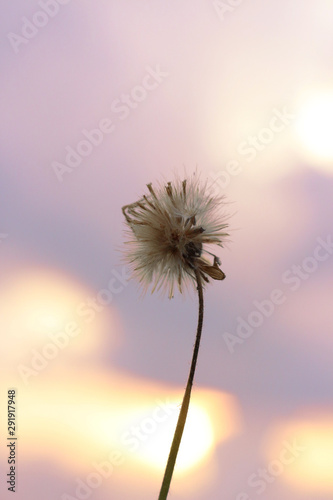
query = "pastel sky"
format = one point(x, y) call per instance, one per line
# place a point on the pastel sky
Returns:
point(100, 98)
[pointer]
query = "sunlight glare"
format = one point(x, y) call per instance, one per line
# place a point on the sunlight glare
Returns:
point(37, 305)
point(197, 441)
point(314, 127)
point(312, 443)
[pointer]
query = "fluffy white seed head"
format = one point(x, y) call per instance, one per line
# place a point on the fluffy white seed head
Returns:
point(170, 229)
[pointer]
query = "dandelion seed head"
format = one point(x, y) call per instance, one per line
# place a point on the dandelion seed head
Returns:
point(170, 230)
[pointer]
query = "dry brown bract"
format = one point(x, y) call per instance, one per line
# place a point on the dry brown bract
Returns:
point(170, 229)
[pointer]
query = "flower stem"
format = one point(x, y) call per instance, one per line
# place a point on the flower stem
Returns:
point(186, 400)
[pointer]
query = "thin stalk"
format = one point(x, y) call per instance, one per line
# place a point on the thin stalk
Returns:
point(186, 400)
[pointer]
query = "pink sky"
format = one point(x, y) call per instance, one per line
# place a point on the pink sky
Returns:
point(100, 98)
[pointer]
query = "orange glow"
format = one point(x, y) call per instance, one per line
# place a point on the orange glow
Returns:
point(77, 414)
point(39, 311)
point(312, 441)
point(81, 417)
point(195, 445)
point(201, 434)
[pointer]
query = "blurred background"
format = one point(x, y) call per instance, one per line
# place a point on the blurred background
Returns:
point(98, 99)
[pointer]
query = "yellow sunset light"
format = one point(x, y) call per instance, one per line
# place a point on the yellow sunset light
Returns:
point(197, 441)
point(309, 445)
point(40, 307)
point(314, 127)
point(86, 416)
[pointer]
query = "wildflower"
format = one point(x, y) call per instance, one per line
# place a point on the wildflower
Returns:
point(171, 229)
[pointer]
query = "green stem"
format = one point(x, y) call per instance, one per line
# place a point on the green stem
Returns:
point(186, 400)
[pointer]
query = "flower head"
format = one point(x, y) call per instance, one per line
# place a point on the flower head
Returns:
point(171, 228)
